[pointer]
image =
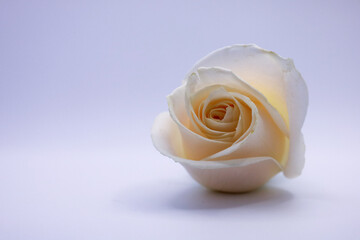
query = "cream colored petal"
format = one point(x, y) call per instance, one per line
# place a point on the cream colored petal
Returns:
point(225, 127)
point(265, 139)
point(229, 114)
point(278, 80)
point(176, 104)
point(297, 103)
point(236, 175)
point(260, 68)
point(235, 179)
point(167, 139)
point(219, 95)
point(192, 141)
point(208, 76)
point(194, 106)
point(166, 136)
point(242, 132)
point(278, 91)
point(212, 129)
point(248, 116)
point(213, 93)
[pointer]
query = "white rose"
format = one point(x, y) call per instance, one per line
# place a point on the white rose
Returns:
point(236, 120)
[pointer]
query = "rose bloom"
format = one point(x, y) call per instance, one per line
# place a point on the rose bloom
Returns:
point(236, 120)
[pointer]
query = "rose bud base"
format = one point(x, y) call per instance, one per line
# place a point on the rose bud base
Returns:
point(234, 179)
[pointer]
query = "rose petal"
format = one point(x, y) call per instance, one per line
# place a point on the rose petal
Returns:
point(212, 93)
point(259, 68)
point(215, 75)
point(278, 80)
point(235, 179)
point(248, 113)
point(265, 139)
point(225, 127)
point(283, 88)
point(166, 138)
point(236, 175)
point(297, 103)
point(192, 141)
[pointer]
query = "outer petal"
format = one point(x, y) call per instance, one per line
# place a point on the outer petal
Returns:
point(258, 67)
point(278, 80)
point(237, 175)
point(235, 179)
point(297, 103)
point(166, 136)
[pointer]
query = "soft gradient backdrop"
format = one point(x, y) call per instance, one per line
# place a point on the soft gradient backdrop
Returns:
point(82, 81)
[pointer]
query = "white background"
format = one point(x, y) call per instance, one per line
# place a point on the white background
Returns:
point(81, 83)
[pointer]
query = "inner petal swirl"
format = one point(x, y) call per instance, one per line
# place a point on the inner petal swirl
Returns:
point(220, 114)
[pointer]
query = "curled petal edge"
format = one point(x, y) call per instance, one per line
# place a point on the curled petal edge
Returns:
point(296, 98)
point(167, 140)
point(205, 73)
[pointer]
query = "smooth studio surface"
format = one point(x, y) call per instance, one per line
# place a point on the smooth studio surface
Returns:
point(82, 82)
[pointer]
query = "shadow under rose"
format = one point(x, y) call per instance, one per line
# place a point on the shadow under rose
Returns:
point(200, 198)
point(194, 197)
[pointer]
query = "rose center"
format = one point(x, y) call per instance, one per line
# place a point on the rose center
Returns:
point(217, 114)
point(220, 115)
point(220, 111)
